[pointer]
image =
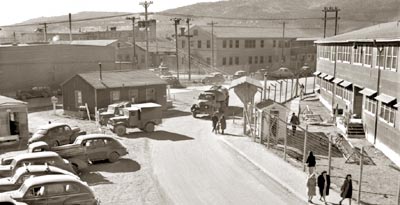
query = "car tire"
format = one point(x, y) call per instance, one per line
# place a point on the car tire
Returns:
point(120, 130)
point(149, 127)
point(75, 168)
point(114, 156)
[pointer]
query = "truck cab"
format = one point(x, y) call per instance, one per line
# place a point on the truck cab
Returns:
point(143, 116)
point(112, 111)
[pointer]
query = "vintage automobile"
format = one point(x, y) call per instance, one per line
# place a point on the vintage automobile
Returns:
point(143, 116)
point(56, 134)
point(23, 173)
point(53, 190)
point(94, 147)
point(111, 111)
point(35, 92)
point(40, 158)
point(172, 81)
point(259, 74)
point(239, 74)
point(215, 77)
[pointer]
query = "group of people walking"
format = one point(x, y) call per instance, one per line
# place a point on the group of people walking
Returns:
point(218, 123)
point(323, 183)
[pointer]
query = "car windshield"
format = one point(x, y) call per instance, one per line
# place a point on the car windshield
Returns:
point(206, 97)
point(111, 109)
point(41, 131)
point(78, 141)
point(126, 112)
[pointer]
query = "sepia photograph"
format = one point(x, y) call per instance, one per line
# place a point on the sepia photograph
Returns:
point(200, 102)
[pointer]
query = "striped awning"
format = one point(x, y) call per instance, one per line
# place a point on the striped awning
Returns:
point(316, 73)
point(368, 92)
point(337, 80)
point(322, 75)
point(345, 83)
point(385, 98)
point(328, 77)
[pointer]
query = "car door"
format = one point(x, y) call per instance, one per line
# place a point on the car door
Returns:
point(67, 135)
point(35, 195)
point(96, 149)
point(56, 193)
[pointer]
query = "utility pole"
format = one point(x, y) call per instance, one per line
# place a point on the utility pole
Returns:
point(212, 42)
point(70, 26)
point(146, 5)
point(176, 22)
point(45, 31)
point(283, 40)
point(325, 15)
point(133, 40)
point(378, 85)
point(188, 37)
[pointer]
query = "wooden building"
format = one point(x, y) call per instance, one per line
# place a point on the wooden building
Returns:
point(99, 89)
point(13, 120)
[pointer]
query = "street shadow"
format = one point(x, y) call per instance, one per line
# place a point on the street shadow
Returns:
point(120, 166)
point(14, 146)
point(94, 178)
point(171, 113)
point(158, 135)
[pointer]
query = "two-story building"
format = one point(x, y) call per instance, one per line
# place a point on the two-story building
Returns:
point(359, 72)
point(232, 48)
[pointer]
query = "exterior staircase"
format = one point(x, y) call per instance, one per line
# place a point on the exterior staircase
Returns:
point(355, 129)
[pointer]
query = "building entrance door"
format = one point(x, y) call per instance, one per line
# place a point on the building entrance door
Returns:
point(357, 101)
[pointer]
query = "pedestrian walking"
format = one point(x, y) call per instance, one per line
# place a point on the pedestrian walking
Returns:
point(222, 122)
point(324, 183)
point(311, 162)
point(311, 186)
point(214, 120)
point(294, 121)
point(346, 189)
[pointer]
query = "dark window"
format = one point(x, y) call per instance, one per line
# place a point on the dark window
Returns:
point(256, 60)
point(274, 43)
point(230, 43)
point(208, 44)
point(237, 60)
point(183, 43)
point(224, 61)
point(224, 44)
point(237, 43)
point(269, 59)
point(262, 44)
point(230, 60)
point(195, 32)
point(261, 59)
point(198, 43)
point(250, 60)
point(250, 43)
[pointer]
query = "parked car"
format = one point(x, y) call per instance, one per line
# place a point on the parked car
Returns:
point(239, 74)
point(56, 134)
point(215, 77)
point(281, 73)
point(172, 81)
point(112, 110)
point(35, 92)
point(39, 158)
point(95, 147)
point(23, 173)
point(7, 200)
point(259, 74)
point(53, 190)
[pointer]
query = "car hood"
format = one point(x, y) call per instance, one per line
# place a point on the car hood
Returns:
point(119, 118)
point(35, 137)
point(6, 181)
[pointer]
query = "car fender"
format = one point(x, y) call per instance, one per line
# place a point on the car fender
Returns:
point(82, 164)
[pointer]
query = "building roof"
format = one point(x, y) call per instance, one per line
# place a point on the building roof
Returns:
point(159, 46)
point(385, 32)
point(255, 32)
point(87, 42)
point(118, 79)
point(7, 102)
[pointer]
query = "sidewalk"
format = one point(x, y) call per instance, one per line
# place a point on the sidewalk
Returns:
point(282, 172)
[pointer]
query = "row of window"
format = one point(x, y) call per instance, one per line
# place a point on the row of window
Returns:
point(386, 113)
point(340, 91)
point(251, 60)
point(385, 58)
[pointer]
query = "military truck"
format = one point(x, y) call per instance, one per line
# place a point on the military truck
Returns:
point(144, 116)
point(212, 100)
point(111, 111)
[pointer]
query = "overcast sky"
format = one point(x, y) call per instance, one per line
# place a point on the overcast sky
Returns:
point(15, 11)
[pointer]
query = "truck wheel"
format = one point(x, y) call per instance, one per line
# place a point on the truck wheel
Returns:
point(120, 130)
point(194, 114)
point(113, 157)
point(149, 127)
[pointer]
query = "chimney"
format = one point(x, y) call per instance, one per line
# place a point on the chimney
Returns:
point(182, 31)
point(101, 75)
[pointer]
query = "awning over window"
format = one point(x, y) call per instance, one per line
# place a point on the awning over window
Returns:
point(345, 84)
point(385, 98)
point(328, 77)
point(367, 92)
point(322, 75)
point(337, 80)
point(397, 105)
point(316, 73)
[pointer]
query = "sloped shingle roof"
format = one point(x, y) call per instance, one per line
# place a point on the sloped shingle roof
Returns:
point(385, 32)
point(117, 79)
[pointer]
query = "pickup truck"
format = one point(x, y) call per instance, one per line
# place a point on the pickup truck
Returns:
point(56, 134)
point(89, 148)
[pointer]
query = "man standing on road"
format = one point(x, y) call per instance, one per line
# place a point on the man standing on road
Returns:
point(222, 122)
point(214, 120)
point(294, 121)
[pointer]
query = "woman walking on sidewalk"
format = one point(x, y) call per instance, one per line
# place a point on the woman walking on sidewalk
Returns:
point(311, 162)
point(311, 186)
point(324, 183)
point(222, 122)
point(347, 189)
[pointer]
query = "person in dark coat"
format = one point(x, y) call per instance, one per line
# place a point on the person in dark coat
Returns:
point(311, 162)
point(222, 122)
point(324, 183)
point(214, 120)
point(347, 189)
point(294, 121)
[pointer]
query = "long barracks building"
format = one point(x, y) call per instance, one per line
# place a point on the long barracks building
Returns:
point(361, 70)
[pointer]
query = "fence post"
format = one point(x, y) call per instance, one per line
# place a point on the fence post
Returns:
point(329, 154)
point(360, 179)
point(285, 143)
point(280, 91)
point(291, 89)
point(305, 86)
point(398, 193)
point(275, 94)
point(269, 91)
point(261, 126)
point(305, 148)
point(313, 91)
point(287, 81)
